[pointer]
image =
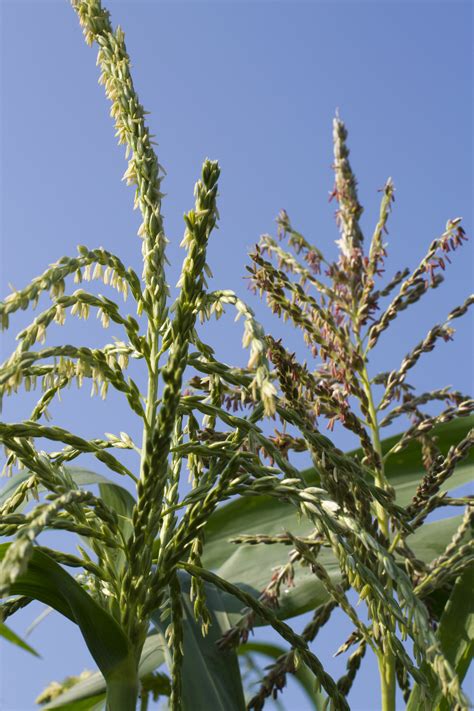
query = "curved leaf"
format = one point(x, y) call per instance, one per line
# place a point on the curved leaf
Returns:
point(93, 688)
point(251, 565)
point(48, 582)
point(404, 469)
point(82, 477)
point(12, 637)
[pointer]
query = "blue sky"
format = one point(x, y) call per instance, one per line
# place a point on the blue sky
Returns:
point(255, 85)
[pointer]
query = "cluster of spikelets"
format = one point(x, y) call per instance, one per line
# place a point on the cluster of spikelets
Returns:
point(339, 311)
point(215, 426)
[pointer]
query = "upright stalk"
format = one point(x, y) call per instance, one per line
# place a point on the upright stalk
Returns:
point(386, 659)
point(144, 702)
point(152, 387)
point(122, 688)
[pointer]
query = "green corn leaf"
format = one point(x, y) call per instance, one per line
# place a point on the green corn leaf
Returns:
point(456, 636)
point(252, 564)
point(122, 502)
point(303, 675)
point(48, 582)
point(12, 637)
point(93, 688)
point(211, 677)
point(92, 703)
point(82, 477)
point(404, 470)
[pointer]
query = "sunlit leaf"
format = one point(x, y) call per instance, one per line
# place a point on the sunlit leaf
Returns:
point(404, 470)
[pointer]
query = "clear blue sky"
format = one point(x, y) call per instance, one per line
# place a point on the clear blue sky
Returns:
point(255, 85)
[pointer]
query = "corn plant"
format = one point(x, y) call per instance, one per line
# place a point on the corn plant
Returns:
point(177, 578)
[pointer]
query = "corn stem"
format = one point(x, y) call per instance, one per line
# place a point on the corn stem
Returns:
point(386, 659)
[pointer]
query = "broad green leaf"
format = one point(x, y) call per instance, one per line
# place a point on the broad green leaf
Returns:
point(82, 477)
point(92, 689)
point(12, 637)
point(211, 677)
point(122, 502)
point(430, 540)
point(405, 471)
point(251, 565)
point(303, 675)
point(48, 582)
point(456, 636)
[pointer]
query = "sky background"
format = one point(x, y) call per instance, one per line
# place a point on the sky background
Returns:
point(255, 85)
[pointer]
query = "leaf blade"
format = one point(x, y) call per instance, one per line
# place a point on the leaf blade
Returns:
point(456, 637)
point(152, 658)
point(250, 566)
point(48, 582)
point(12, 637)
point(211, 677)
point(82, 477)
point(404, 470)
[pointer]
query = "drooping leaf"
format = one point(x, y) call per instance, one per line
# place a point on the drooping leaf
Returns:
point(12, 637)
point(211, 677)
point(252, 565)
point(303, 675)
point(456, 637)
point(48, 582)
point(93, 688)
